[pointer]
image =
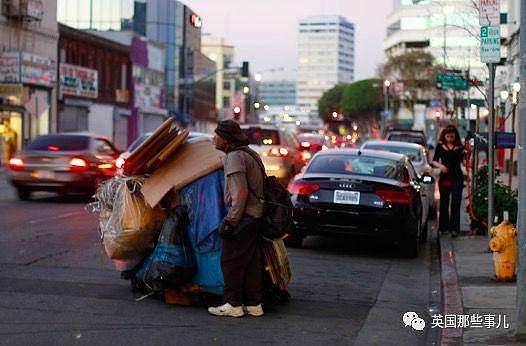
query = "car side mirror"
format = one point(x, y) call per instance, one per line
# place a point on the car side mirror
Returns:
point(427, 179)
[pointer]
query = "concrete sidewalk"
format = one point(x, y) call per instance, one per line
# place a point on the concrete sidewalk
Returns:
point(467, 289)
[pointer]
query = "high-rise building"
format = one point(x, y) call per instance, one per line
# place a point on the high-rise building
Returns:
point(223, 55)
point(325, 58)
point(277, 93)
point(448, 29)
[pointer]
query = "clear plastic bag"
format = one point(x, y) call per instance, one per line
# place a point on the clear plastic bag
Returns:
point(128, 226)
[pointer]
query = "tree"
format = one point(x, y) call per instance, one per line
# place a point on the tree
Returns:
point(362, 99)
point(330, 102)
point(415, 70)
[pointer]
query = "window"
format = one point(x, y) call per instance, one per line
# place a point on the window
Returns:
point(60, 143)
point(226, 101)
point(350, 164)
point(226, 85)
point(103, 147)
point(259, 136)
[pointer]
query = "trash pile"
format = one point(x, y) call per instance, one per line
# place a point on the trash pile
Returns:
point(159, 221)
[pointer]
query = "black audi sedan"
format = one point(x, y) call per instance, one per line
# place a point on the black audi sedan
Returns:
point(353, 192)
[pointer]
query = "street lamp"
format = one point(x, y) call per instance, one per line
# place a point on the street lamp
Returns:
point(258, 77)
point(387, 84)
point(504, 94)
point(256, 105)
point(334, 115)
point(246, 90)
point(266, 107)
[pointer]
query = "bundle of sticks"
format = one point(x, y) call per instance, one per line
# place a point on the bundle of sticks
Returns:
point(155, 149)
point(277, 262)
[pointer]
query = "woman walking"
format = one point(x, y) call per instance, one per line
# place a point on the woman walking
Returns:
point(449, 157)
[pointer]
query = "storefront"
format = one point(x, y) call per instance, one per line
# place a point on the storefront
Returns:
point(150, 114)
point(78, 89)
point(26, 83)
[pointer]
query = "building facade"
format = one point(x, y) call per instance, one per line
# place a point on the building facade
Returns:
point(147, 90)
point(325, 58)
point(448, 29)
point(169, 22)
point(278, 93)
point(28, 72)
point(226, 76)
point(95, 83)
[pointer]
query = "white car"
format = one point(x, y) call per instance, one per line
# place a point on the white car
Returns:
point(417, 155)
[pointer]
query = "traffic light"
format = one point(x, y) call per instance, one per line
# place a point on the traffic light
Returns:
point(476, 82)
point(244, 69)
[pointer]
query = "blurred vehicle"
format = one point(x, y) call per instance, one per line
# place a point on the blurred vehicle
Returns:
point(410, 136)
point(368, 193)
point(310, 144)
point(192, 137)
point(418, 157)
point(65, 163)
point(278, 149)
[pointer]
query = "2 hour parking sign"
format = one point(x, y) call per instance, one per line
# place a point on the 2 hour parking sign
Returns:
point(490, 44)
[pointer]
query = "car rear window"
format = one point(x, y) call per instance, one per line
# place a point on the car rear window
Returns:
point(259, 136)
point(60, 143)
point(414, 154)
point(312, 139)
point(406, 137)
point(353, 164)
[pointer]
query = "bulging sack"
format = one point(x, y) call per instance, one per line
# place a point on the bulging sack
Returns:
point(128, 225)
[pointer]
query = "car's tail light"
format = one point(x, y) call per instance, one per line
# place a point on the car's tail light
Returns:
point(16, 164)
point(78, 164)
point(302, 188)
point(53, 148)
point(305, 156)
point(119, 163)
point(393, 196)
point(305, 144)
point(282, 152)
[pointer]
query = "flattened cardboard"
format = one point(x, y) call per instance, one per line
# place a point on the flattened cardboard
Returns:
point(189, 163)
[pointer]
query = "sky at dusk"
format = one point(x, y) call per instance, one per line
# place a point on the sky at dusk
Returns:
point(264, 32)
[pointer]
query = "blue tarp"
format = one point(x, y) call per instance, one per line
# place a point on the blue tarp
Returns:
point(175, 254)
point(206, 210)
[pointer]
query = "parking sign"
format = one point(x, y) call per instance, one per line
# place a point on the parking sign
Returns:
point(489, 12)
point(490, 44)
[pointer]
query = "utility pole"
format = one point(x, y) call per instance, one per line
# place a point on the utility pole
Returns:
point(491, 146)
point(521, 154)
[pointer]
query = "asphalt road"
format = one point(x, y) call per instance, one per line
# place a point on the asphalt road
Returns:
point(57, 287)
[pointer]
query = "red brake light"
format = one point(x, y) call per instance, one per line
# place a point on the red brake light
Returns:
point(16, 164)
point(302, 188)
point(393, 196)
point(78, 164)
point(283, 152)
point(53, 148)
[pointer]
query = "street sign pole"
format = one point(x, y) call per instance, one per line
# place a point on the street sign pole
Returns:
point(491, 145)
point(521, 155)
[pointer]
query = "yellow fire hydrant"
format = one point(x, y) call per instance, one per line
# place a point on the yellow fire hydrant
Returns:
point(504, 246)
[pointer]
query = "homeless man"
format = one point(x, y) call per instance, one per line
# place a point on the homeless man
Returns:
point(241, 258)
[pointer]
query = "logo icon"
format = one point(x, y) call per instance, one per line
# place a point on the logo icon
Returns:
point(412, 319)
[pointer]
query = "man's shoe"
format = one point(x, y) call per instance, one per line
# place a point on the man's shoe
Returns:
point(227, 310)
point(256, 310)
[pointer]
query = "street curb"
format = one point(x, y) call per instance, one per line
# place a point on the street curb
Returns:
point(451, 294)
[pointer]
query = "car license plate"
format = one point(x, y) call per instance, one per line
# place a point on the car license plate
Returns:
point(43, 174)
point(346, 197)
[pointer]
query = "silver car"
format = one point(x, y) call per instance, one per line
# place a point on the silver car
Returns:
point(418, 156)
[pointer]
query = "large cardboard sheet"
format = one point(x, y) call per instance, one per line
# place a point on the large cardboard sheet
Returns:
point(189, 163)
